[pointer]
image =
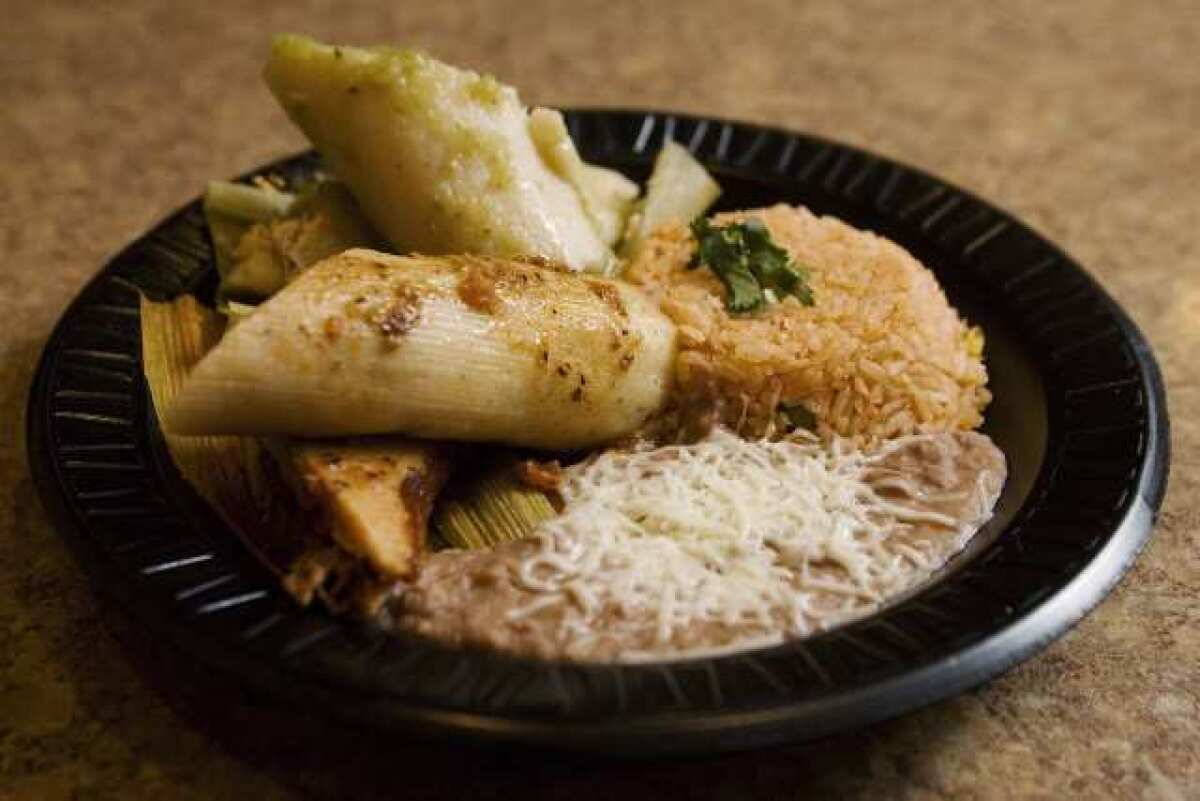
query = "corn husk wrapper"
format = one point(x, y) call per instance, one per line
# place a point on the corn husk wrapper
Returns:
point(237, 477)
point(233, 474)
point(496, 507)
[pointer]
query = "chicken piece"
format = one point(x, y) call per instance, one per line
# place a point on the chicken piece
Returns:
point(374, 495)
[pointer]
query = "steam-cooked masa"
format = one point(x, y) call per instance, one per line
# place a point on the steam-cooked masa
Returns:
point(881, 353)
point(453, 347)
point(441, 159)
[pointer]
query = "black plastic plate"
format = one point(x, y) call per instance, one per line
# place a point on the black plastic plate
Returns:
point(1079, 410)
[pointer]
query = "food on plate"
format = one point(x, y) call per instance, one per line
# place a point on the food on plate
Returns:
point(325, 513)
point(717, 544)
point(441, 159)
point(471, 386)
point(465, 348)
point(876, 352)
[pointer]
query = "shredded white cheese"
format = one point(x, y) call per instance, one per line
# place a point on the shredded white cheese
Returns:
point(768, 538)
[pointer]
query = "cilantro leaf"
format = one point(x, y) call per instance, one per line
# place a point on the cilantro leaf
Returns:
point(721, 250)
point(754, 270)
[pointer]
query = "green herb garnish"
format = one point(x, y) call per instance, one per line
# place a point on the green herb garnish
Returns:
point(754, 270)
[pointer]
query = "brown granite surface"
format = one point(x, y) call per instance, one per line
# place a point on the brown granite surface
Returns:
point(1080, 117)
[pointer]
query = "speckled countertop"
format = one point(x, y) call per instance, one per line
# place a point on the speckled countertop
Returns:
point(1079, 117)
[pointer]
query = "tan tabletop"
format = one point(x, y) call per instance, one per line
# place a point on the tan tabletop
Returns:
point(1081, 118)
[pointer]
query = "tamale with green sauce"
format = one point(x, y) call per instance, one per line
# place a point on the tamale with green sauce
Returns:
point(440, 158)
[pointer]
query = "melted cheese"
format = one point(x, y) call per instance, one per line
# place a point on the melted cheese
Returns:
point(759, 536)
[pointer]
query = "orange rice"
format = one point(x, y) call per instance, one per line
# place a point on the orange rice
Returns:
point(881, 353)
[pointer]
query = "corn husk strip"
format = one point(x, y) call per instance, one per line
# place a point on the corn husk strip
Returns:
point(497, 508)
point(230, 473)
